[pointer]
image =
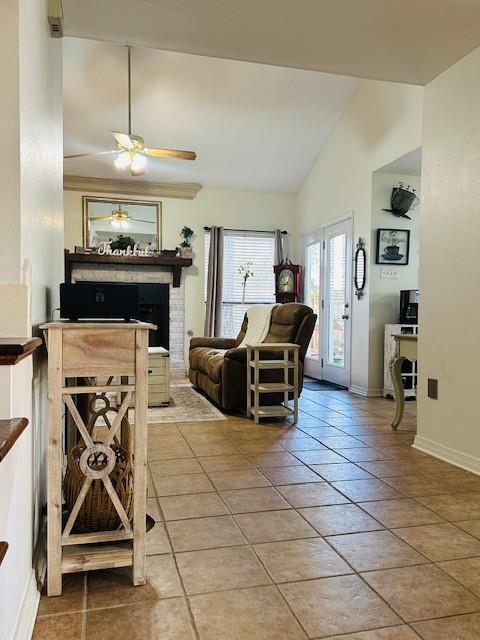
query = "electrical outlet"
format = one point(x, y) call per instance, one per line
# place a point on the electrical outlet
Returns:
point(432, 388)
point(389, 273)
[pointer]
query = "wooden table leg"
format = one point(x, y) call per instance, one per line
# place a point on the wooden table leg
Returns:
point(140, 458)
point(54, 464)
point(395, 366)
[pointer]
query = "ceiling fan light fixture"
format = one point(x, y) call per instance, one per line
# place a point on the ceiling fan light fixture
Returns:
point(138, 162)
point(123, 160)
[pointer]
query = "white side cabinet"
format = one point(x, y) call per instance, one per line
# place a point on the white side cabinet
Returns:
point(158, 377)
point(409, 369)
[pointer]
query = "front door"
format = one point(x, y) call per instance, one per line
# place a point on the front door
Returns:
point(328, 273)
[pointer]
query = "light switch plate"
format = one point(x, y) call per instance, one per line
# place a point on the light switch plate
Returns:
point(389, 273)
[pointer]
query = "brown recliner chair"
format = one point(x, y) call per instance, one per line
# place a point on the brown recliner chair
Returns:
point(218, 367)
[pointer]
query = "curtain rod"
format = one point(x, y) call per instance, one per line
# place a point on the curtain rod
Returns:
point(247, 230)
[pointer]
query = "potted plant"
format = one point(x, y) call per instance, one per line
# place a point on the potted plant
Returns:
point(185, 246)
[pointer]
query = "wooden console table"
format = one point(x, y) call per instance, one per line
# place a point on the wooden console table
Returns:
point(405, 349)
point(92, 350)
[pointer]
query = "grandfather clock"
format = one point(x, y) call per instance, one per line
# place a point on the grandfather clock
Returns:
point(288, 282)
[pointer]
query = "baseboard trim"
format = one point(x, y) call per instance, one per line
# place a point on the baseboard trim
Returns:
point(365, 391)
point(28, 610)
point(447, 454)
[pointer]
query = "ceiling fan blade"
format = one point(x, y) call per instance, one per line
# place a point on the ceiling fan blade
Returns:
point(171, 153)
point(143, 221)
point(84, 155)
point(123, 140)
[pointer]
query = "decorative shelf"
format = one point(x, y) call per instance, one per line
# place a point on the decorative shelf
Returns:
point(10, 431)
point(273, 364)
point(12, 350)
point(275, 410)
point(273, 387)
point(175, 263)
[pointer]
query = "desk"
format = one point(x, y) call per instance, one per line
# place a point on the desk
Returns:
point(405, 349)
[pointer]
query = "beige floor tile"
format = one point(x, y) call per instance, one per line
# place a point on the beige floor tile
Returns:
point(157, 540)
point(303, 444)
point(335, 472)
point(183, 484)
point(113, 587)
point(244, 614)
point(227, 462)
point(416, 485)
point(153, 509)
point(67, 627)
point(455, 628)
point(341, 442)
point(363, 490)
point(470, 526)
point(258, 499)
point(319, 457)
point(275, 459)
point(401, 513)
point(165, 619)
point(204, 533)
point(163, 576)
point(271, 526)
point(290, 475)
point(157, 452)
point(197, 505)
point(365, 454)
point(295, 560)
point(241, 479)
point(458, 506)
point(71, 600)
point(337, 605)
point(182, 466)
point(465, 571)
point(220, 570)
point(260, 447)
point(339, 519)
point(391, 468)
point(440, 541)
point(375, 550)
point(214, 449)
point(421, 592)
point(317, 431)
point(312, 494)
point(389, 633)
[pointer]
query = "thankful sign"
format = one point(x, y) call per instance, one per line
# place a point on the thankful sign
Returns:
point(104, 249)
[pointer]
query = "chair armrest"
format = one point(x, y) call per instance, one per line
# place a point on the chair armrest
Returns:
point(213, 343)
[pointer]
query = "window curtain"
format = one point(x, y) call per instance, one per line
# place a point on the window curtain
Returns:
point(213, 312)
point(279, 253)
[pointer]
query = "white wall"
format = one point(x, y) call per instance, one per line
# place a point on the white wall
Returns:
point(30, 270)
point(450, 270)
point(385, 294)
point(231, 209)
point(382, 122)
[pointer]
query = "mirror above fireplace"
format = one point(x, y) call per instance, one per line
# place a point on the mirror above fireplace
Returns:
point(105, 219)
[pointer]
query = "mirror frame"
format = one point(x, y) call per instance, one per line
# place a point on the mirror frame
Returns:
point(119, 201)
point(359, 280)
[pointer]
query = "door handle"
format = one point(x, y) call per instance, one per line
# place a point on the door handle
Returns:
point(345, 317)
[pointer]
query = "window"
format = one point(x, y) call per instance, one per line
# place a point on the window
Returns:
point(244, 251)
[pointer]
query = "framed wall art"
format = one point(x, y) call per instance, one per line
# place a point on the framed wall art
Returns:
point(393, 246)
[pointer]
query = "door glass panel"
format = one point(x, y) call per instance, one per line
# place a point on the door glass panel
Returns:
point(336, 299)
point(312, 297)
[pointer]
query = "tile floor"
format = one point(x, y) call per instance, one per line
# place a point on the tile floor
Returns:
point(335, 528)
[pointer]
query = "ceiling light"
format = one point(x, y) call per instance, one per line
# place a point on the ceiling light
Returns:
point(123, 160)
point(138, 162)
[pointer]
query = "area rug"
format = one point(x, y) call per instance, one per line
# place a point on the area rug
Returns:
point(186, 405)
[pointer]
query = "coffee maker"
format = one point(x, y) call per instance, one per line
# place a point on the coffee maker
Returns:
point(409, 306)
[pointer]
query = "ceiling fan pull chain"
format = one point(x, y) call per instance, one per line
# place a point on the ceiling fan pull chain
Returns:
point(129, 48)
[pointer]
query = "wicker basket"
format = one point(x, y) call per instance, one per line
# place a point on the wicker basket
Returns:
point(97, 512)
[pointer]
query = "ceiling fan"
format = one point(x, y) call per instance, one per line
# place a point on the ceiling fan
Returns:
point(131, 147)
point(120, 219)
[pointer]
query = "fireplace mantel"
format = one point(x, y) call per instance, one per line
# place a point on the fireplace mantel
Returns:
point(174, 263)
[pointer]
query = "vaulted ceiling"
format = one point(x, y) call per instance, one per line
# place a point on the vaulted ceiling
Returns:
point(254, 127)
point(399, 40)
